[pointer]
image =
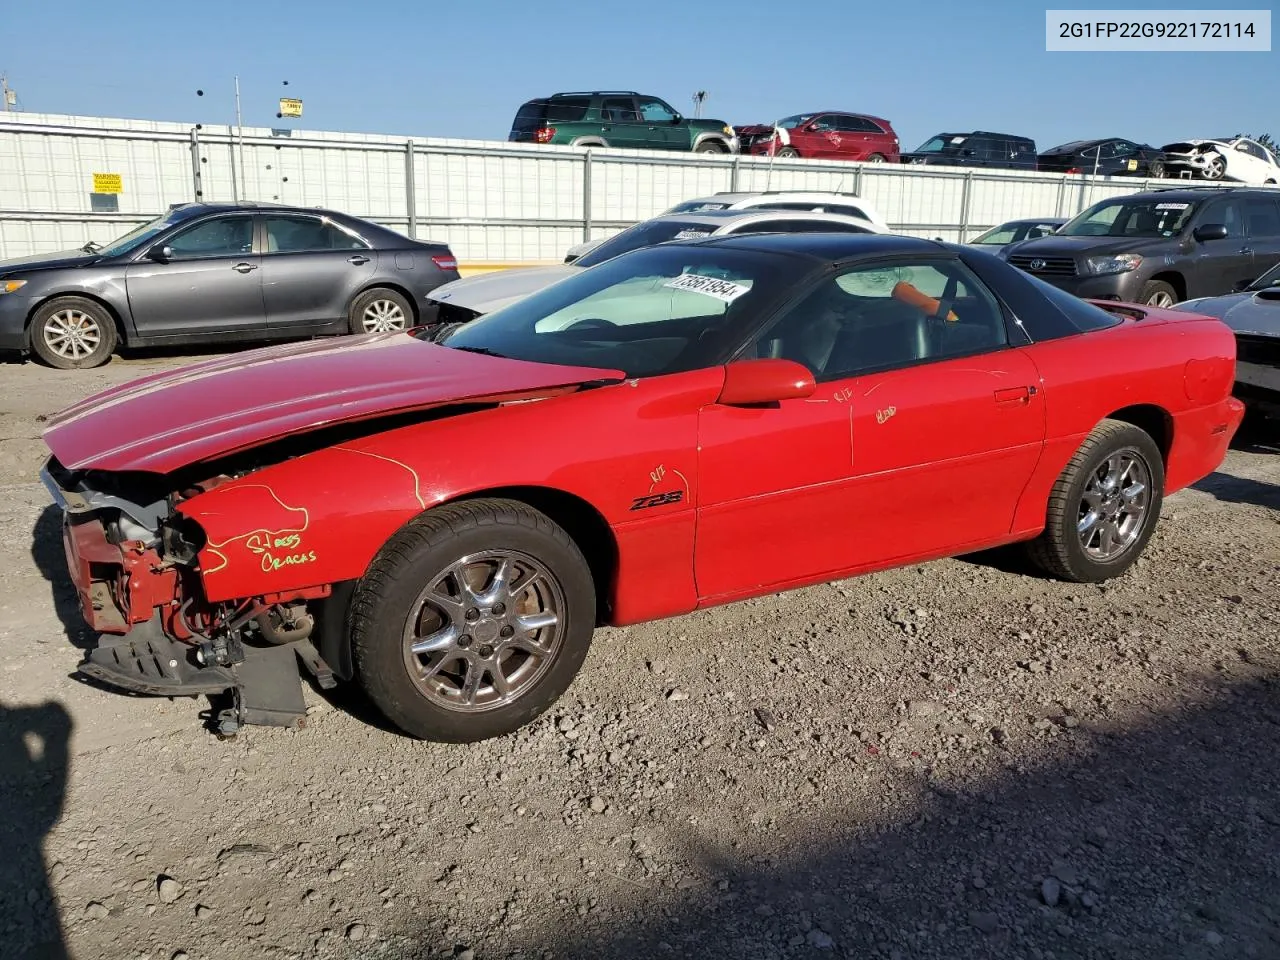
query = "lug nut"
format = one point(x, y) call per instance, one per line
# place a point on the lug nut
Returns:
point(498, 610)
point(507, 632)
point(473, 614)
point(464, 641)
point(486, 651)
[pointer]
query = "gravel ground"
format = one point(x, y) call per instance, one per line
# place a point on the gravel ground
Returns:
point(954, 760)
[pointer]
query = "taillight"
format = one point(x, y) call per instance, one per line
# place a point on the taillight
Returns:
point(445, 261)
point(1073, 169)
point(544, 134)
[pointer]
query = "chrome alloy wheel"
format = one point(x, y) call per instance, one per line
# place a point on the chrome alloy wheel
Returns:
point(383, 316)
point(1160, 299)
point(484, 631)
point(1114, 505)
point(72, 334)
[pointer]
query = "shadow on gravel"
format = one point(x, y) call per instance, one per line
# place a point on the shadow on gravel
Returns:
point(1159, 842)
point(51, 560)
point(34, 765)
point(1233, 489)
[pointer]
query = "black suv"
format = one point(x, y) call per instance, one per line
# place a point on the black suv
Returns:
point(1159, 248)
point(981, 148)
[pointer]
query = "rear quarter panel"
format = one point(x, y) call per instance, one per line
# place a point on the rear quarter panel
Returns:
point(1181, 365)
point(322, 517)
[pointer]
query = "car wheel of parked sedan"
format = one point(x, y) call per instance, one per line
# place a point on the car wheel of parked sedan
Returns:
point(1104, 507)
point(72, 333)
point(472, 620)
point(788, 152)
point(876, 158)
point(1216, 168)
point(1157, 293)
point(1156, 169)
point(380, 311)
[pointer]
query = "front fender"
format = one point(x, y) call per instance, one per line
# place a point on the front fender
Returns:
point(321, 518)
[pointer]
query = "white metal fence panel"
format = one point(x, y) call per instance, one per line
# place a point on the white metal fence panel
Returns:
point(490, 201)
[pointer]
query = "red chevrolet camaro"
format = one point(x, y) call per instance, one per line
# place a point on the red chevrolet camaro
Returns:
point(446, 515)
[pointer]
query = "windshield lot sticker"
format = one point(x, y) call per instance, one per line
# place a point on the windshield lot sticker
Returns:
point(1172, 206)
point(723, 290)
point(692, 234)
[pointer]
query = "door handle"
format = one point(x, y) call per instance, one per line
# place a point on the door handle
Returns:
point(358, 259)
point(1010, 396)
point(1246, 249)
point(244, 267)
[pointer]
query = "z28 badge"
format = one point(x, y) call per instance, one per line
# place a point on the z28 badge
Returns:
point(657, 500)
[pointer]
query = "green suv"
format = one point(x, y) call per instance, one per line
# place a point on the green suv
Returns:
point(617, 118)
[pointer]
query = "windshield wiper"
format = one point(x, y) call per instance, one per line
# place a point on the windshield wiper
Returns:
point(485, 351)
point(91, 247)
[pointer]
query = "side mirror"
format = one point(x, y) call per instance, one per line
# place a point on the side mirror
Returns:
point(678, 118)
point(160, 254)
point(1210, 231)
point(749, 382)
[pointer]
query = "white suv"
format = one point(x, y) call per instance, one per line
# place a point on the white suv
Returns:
point(845, 204)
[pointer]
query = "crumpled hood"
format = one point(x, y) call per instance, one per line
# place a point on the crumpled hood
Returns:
point(487, 292)
point(49, 261)
point(209, 409)
point(1256, 313)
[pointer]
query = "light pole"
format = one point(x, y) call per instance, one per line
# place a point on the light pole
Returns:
point(697, 104)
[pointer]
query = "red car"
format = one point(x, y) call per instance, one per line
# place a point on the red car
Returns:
point(445, 515)
point(827, 136)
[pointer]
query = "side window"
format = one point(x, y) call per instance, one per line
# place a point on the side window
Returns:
point(848, 211)
point(223, 237)
point(1263, 215)
point(824, 123)
point(655, 111)
point(619, 110)
point(1226, 212)
point(302, 234)
point(1123, 148)
point(883, 316)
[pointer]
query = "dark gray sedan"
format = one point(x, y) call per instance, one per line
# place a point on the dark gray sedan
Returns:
point(1254, 315)
point(218, 273)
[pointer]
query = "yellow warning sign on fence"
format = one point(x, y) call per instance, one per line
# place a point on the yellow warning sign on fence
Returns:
point(290, 108)
point(108, 183)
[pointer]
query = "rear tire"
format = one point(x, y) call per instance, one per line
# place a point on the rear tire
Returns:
point(1100, 483)
point(72, 333)
point(876, 158)
point(788, 152)
point(1156, 169)
point(709, 146)
point(380, 310)
point(435, 584)
point(1157, 293)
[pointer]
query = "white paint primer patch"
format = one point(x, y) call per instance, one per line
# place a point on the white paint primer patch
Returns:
point(724, 290)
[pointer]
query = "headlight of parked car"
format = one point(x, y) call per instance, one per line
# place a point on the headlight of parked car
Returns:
point(9, 286)
point(728, 131)
point(1120, 263)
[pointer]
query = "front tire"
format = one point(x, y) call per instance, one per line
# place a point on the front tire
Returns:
point(72, 333)
point(380, 310)
point(1157, 293)
point(472, 620)
point(709, 146)
point(876, 158)
point(1104, 507)
point(788, 152)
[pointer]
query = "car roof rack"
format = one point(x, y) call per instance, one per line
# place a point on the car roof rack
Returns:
point(596, 93)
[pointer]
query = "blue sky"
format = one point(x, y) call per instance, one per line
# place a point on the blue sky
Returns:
point(461, 69)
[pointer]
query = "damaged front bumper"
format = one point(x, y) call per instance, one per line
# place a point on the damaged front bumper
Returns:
point(140, 591)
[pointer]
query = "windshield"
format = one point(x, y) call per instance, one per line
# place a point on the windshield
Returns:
point(697, 206)
point(654, 311)
point(1269, 279)
point(1130, 218)
point(941, 143)
point(135, 237)
point(1005, 233)
point(790, 123)
point(645, 234)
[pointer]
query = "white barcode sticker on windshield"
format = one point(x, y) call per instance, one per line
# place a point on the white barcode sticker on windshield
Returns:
point(1172, 206)
point(692, 234)
point(725, 290)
